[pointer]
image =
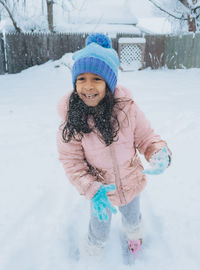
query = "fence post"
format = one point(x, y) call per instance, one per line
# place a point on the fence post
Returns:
point(182, 51)
point(154, 51)
point(196, 54)
point(2, 56)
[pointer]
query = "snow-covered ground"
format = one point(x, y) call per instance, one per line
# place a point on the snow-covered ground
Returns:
point(40, 211)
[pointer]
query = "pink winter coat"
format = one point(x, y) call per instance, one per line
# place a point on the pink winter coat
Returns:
point(90, 163)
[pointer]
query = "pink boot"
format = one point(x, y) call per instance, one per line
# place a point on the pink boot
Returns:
point(135, 246)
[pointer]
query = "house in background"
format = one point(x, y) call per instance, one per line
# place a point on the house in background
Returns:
point(110, 18)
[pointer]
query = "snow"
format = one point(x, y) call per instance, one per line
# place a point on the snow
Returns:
point(131, 66)
point(88, 16)
point(156, 25)
point(40, 211)
point(131, 40)
point(111, 29)
point(105, 12)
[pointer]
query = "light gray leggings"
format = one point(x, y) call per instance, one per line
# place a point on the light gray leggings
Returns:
point(131, 221)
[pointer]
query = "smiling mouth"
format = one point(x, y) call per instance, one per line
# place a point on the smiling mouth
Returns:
point(91, 96)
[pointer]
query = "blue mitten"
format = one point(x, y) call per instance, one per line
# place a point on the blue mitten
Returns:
point(101, 203)
point(159, 162)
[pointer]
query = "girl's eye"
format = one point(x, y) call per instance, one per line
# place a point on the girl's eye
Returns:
point(80, 79)
point(97, 79)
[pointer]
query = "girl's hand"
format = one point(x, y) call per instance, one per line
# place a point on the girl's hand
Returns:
point(159, 162)
point(101, 203)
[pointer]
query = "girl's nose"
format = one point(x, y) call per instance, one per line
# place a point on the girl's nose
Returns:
point(88, 85)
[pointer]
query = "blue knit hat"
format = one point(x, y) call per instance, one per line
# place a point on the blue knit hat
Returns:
point(99, 58)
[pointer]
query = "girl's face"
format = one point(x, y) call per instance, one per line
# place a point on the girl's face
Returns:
point(91, 88)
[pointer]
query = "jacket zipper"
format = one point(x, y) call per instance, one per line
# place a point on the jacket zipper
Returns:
point(117, 175)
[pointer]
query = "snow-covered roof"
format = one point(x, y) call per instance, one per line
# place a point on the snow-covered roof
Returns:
point(132, 40)
point(155, 25)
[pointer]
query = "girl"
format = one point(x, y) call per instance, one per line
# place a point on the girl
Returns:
point(102, 131)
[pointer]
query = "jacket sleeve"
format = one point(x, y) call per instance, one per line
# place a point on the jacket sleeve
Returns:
point(146, 141)
point(72, 157)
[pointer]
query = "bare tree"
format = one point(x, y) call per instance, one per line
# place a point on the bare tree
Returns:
point(50, 4)
point(190, 12)
point(18, 11)
point(6, 6)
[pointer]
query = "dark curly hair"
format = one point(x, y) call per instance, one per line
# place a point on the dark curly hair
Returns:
point(104, 116)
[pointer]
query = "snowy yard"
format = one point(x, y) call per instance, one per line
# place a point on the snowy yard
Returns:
point(40, 210)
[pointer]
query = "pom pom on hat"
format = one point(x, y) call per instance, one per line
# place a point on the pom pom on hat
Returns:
point(100, 39)
point(97, 57)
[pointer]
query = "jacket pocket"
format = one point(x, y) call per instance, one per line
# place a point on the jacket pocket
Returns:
point(134, 166)
point(133, 182)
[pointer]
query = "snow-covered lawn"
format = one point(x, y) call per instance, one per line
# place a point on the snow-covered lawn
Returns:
point(40, 210)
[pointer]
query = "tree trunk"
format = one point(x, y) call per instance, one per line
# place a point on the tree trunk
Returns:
point(50, 14)
point(191, 20)
point(185, 3)
point(191, 24)
point(11, 17)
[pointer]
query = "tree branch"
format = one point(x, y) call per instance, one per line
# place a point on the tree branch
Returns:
point(167, 12)
point(185, 3)
point(195, 8)
point(11, 17)
point(190, 8)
